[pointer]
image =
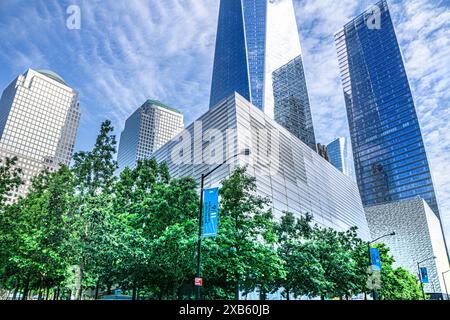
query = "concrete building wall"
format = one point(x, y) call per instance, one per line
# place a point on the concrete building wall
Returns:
point(293, 176)
point(418, 237)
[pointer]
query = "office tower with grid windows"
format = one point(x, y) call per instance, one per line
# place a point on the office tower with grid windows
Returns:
point(254, 39)
point(39, 118)
point(146, 130)
point(391, 163)
point(340, 154)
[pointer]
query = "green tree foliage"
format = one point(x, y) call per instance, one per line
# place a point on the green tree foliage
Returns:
point(92, 220)
point(243, 256)
point(304, 273)
point(84, 229)
point(10, 178)
point(396, 283)
point(36, 232)
point(157, 225)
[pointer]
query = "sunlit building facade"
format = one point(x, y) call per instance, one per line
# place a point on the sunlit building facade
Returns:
point(254, 38)
point(39, 119)
point(287, 171)
point(389, 153)
point(292, 107)
point(146, 130)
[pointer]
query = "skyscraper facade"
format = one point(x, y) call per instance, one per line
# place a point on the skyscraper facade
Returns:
point(340, 154)
point(39, 118)
point(390, 158)
point(146, 130)
point(292, 107)
point(254, 38)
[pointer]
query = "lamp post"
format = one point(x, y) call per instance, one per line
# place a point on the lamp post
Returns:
point(374, 292)
point(420, 275)
point(245, 152)
point(445, 284)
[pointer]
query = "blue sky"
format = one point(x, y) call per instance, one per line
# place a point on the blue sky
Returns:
point(130, 50)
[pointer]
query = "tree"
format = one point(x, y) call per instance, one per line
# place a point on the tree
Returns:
point(157, 222)
point(396, 283)
point(91, 221)
point(304, 273)
point(243, 256)
point(10, 178)
point(37, 233)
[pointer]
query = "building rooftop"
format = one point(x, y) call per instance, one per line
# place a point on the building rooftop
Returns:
point(162, 105)
point(52, 75)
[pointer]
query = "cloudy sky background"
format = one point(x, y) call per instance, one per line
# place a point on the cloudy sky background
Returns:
point(129, 51)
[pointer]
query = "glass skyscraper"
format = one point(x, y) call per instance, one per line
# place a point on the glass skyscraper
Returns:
point(146, 130)
point(254, 38)
point(39, 118)
point(340, 155)
point(292, 108)
point(390, 158)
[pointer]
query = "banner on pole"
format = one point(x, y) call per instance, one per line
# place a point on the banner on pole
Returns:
point(424, 275)
point(375, 258)
point(210, 213)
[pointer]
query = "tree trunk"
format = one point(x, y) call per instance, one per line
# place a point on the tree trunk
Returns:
point(79, 292)
point(26, 288)
point(47, 292)
point(237, 293)
point(134, 291)
point(40, 293)
point(16, 289)
point(288, 295)
point(97, 289)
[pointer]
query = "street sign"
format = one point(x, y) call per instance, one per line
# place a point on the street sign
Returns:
point(210, 213)
point(198, 282)
point(424, 275)
point(375, 258)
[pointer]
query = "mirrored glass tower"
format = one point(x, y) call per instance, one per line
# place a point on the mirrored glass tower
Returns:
point(254, 38)
point(389, 153)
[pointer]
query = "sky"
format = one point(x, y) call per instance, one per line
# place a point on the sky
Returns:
point(128, 51)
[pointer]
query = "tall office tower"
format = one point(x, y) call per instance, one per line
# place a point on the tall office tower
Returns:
point(254, 38)
point(340, 154)
point(146, 130)
point(390, 158)
point(292, 107)
point(39, 118)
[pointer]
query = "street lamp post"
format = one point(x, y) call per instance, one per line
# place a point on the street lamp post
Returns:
point(445, 284)
point(245, 152)
point(374, 292)
point(420, 275)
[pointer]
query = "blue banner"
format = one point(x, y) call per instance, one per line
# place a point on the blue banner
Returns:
point(210, 212)
point(375, 258)
point(424, 275)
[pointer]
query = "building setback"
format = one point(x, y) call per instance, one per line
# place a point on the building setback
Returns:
point(417, 237)
point(340, 154)
point(390, 159)
point(292, 107)
point(146, 130)
point(39, 118)
point(294, 177)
